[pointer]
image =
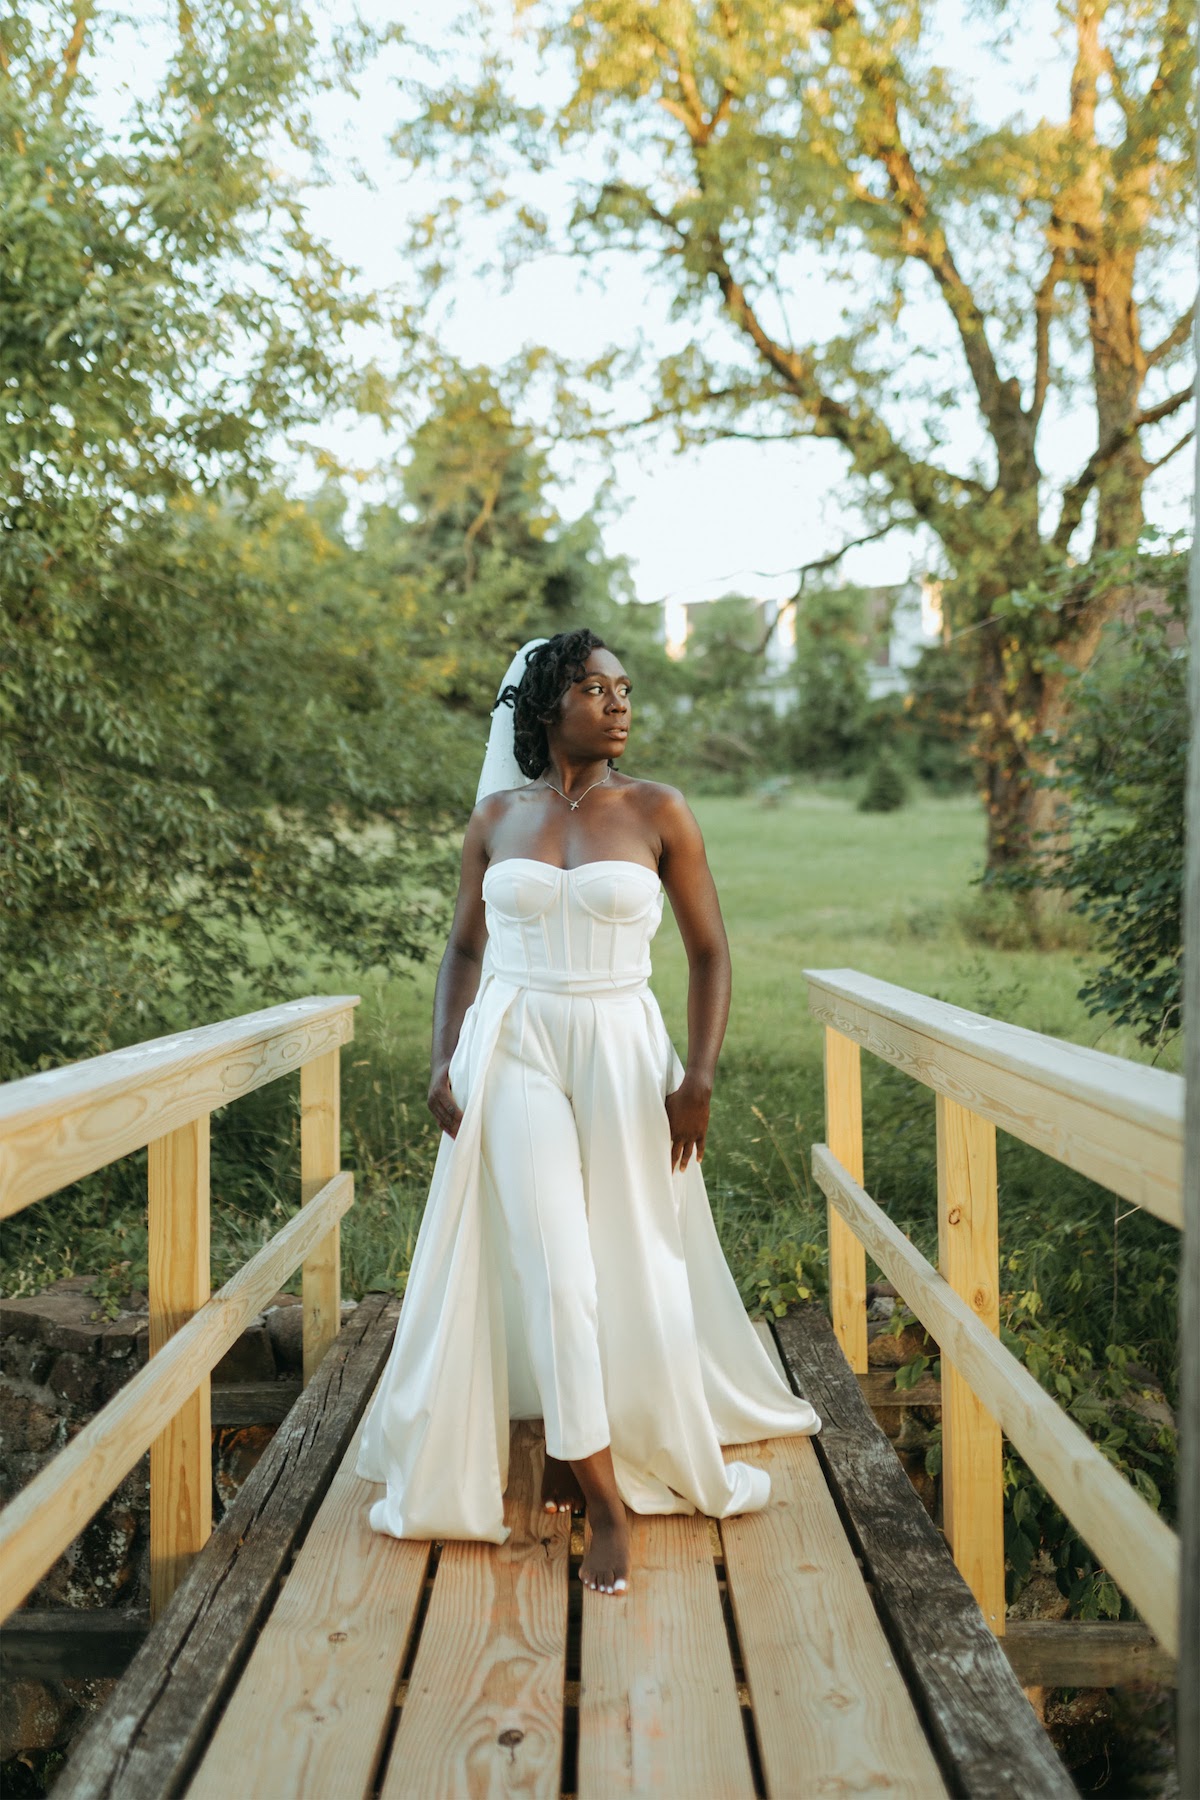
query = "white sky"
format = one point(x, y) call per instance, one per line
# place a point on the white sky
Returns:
point(732, 516)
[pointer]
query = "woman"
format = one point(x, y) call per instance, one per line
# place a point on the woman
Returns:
point(567, 1267)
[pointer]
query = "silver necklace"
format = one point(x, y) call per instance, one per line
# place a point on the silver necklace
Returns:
point(573, 804)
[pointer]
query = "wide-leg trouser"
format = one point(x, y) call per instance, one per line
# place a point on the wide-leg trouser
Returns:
point(539, 1137)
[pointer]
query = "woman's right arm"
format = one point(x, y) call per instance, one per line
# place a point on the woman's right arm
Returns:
point(458, 976)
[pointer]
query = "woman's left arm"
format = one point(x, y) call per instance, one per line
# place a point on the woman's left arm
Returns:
point(687, 878)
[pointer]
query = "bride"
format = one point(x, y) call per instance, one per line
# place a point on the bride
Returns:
point(567, 1267)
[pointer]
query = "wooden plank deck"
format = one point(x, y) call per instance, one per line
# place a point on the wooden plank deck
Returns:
point(753, 1658)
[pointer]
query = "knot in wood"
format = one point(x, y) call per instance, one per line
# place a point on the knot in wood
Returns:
point(510, 1739)
point(954, 1215)
point(338, 1637)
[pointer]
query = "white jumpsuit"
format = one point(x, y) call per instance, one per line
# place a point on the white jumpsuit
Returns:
point(563, 1270)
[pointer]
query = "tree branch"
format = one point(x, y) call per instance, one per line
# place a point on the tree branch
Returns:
point(821, 566)
point(860, 431)
point(1179, 333)
point(72, 53)
point(1043, 318)
point(999, 400)
point(1075, 496)
point(1180, 444)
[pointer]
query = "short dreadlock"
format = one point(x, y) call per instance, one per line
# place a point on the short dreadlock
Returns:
point(550, 669)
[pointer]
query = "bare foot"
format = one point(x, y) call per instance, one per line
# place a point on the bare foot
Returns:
point(561, 1491)
point(605, 1567)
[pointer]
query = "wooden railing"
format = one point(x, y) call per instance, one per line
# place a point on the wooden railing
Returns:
point(62, 1125)
point(1118, 1122)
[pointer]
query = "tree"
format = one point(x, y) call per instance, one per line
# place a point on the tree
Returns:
point(1123, 769)
point(742, 152)
point(829, 728)
point(473, 552)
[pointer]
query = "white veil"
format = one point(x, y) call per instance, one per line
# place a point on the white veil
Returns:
point(500, 767)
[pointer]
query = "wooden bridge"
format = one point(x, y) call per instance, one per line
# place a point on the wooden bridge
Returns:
point(835, 1643)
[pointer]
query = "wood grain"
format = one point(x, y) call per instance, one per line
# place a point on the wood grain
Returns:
point(983, 1730)
point(483, 1713)
point(311, 1712)
point(658, 1708)
point(1135, 1544)
point(1116, 1121)
point(969, 1259)
point(179, 1280)
point(145, 1741)
point(320, 1160)
point(844, 1134)
point(63, 1124)
point(55, 1506)
point(830, 1706)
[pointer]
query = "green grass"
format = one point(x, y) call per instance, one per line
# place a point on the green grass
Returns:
point(1088, 1286)
point(806, 883)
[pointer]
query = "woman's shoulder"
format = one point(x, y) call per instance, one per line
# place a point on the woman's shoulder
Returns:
point(658, 798)
point(494, 806)
point(663, 809)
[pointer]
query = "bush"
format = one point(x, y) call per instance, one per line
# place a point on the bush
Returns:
point(1122, 766)
point(885, 789)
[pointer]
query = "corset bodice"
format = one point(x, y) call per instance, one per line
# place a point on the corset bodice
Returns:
point(581, 930)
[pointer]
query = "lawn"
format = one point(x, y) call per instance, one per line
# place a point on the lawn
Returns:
point(806, 883)
point(811, 883)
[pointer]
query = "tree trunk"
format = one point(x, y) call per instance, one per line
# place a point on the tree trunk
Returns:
point(1015, 703)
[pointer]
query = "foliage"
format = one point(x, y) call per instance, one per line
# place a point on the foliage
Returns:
point(1123, 769)
point(1112, 1400)
point(885, 789)
point(1116, 1401)
point(864, 259)
point(828, 730)
point(169, 321)
point(934, 726)
point(233, 727)
point(782, 1275)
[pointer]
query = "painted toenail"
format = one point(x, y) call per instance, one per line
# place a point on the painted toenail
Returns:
point(621, 1584)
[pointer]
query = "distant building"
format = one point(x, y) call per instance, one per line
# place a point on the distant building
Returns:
point(900, 622)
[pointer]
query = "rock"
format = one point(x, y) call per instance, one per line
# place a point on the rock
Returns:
point(285, 1328)
point(251, 1358)
point(236, 1450)
point(79, 1379)
point(32, 1716)
point(285, 1325)
point(886, 1350)
point(29, 1419)
point(1041, 1597)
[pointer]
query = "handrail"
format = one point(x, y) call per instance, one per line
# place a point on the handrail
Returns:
point(54, 1507)
point(1117, 1121)
point(65, 1123)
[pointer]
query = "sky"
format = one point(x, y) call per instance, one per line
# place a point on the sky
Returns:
point(732, 516)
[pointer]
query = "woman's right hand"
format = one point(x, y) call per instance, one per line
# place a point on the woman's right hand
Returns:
point(442, 1103)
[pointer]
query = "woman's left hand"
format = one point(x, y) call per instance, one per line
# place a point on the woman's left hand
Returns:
point(687, 1113)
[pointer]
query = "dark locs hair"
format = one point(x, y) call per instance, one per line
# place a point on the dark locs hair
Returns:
point(549, 671)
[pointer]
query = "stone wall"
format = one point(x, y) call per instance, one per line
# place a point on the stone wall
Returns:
point(61, 1359)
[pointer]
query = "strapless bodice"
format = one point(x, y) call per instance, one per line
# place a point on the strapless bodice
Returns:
point(581, 930)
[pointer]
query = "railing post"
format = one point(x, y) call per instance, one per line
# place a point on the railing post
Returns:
point(844, 1136)
point(180, 1283)
point(969, 1259)
point(320, 1161)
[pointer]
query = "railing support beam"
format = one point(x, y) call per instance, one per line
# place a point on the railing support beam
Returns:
point(180, 1283)
point(969, 1258)
point(320, 1161)
point(844, 1135)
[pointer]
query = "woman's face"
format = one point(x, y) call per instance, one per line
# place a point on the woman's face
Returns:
point(593, 714)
